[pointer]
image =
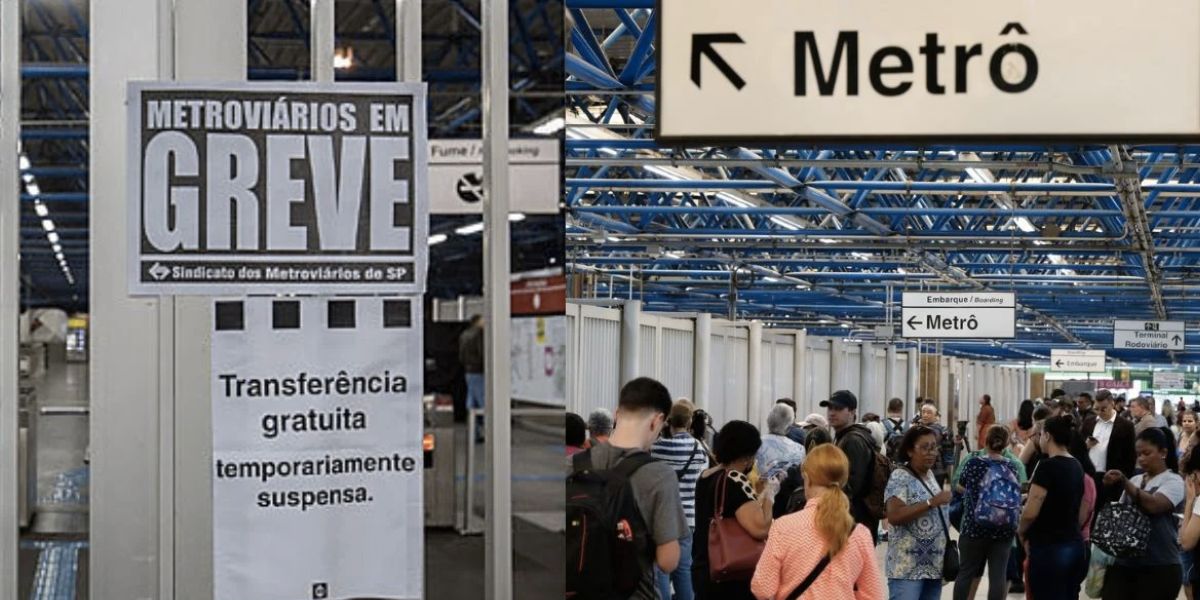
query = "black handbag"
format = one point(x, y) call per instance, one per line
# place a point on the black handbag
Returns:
point(1122, 529)
point(950, 559)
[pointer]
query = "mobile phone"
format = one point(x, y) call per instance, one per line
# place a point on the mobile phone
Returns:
point(1093, 439)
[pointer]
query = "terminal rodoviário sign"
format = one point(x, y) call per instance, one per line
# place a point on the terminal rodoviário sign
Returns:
point(937, 315)
point(307, 188)
point(926, 68)
point(317, 456)
point(1149, 335)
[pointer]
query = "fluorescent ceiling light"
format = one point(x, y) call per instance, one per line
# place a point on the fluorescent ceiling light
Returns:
point(516, 217)
point(343, 58)
point(772, 279)
point(56, 247)
point(28, 177)
point(47, 224)
point(437, 238)
point(40, 209)
point(59, 256)
point(53, 237)
point(23, 162)
point(470, 229)
point(33, 189)
point(614, 239)
point(550, 127)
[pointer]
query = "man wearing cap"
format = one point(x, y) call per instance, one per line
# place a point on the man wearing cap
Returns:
point(856, 441)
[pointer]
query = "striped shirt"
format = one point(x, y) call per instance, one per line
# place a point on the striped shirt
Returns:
point(675, 451)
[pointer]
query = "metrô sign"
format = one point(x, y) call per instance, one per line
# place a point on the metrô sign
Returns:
point(953, 315)
point(929, 69)
point(277, 187)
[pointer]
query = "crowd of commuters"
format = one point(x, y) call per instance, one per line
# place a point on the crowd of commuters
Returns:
point(1071, 490)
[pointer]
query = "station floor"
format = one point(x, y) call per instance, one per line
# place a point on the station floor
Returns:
point(53, 558)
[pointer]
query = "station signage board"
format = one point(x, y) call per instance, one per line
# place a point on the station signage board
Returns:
point(1148, 335)
point(1168, 380)
point(277, 187)
point(317, 448)
point(958, 315)
point(456, 176)
point(926, 69)
point(1077, 361)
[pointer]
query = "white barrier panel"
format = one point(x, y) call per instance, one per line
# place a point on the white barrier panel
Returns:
point(648, 354)
point(317, 428)
point(676, 366)
point(599, 358)
point(818, 374)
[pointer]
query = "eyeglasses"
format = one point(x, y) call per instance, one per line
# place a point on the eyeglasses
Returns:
point(927, 447)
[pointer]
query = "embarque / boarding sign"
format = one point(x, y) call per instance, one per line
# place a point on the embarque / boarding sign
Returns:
point(931, 69)
point(1149, 335)
point(1077, 361)
point(951, 315)
point(270, 187)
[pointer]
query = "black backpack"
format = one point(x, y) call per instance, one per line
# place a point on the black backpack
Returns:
point(609, 549)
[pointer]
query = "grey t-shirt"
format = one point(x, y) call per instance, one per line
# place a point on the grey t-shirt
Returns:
point(1163, 548)
point(656, 490)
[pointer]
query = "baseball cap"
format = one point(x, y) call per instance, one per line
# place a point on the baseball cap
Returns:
point(841, 399)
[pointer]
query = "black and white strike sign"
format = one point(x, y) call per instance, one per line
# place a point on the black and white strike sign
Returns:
point(952, 315)
point(279, 187)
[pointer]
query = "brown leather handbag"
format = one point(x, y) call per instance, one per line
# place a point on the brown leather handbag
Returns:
point(732, 552)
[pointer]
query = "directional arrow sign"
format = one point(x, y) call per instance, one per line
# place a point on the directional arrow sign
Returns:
point(927, 70)
point(1077, 361)
point(937, 315)
point(702, 45)
point(1168, 380)
point(1149, 335)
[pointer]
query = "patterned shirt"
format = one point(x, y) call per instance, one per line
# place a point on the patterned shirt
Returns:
point(676, 452)
point(915, 549)
point(776, 454)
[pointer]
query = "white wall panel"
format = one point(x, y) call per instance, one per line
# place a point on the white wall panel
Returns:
point(900, 387)
point(648, 353)
point(717, 365)
point(852, 367)
point(599, 358)
point(877, 392)
point(818, 374)
point(785, 350)
point(737, 378)
point(675, 363)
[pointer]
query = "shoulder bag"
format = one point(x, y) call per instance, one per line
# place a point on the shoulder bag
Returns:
point(691, 457)
point(732, 552)
point(812, 578)
point(1122, 529)
point(950, 557)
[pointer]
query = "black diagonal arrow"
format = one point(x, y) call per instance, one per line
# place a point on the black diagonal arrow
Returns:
point(911, 324)
point(702, 44)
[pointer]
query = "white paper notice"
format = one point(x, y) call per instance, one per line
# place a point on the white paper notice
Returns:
point(317, 458)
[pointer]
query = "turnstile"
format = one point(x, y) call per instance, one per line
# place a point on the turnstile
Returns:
point(439, 444)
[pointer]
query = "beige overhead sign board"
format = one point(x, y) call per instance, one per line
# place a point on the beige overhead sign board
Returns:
point(277, 187)
point(456, 176)
point(955, 315)
point(928, 69)
point(1077, 361)
point(1149, 335)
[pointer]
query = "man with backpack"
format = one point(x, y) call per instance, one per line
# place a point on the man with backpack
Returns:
point(624, 513)
point(867, 466)
point(894, 427)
